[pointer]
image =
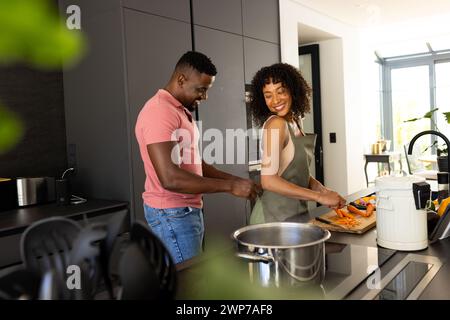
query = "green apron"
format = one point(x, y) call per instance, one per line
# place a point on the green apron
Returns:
point(273, 207)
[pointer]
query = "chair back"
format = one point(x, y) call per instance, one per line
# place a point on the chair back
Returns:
point(18, 284)
point(113, 227)
point(85, 255)
point(46, 245)
point(146, 269)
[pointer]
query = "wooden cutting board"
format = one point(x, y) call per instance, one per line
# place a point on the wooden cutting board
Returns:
point(331, 217)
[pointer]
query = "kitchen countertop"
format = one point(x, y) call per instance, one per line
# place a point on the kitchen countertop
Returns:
point(438, 288)
point(17, 220)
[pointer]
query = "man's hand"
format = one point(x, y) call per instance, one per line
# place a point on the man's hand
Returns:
point(244, 188)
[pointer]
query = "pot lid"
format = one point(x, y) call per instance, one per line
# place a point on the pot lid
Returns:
point(397, 183)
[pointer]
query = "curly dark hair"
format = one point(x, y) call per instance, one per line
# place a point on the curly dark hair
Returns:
point(291, 79)
point(198, 61)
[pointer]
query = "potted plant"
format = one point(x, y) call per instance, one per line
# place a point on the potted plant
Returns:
point(442, 151)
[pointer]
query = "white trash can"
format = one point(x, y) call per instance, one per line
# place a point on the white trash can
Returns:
point(400, 226)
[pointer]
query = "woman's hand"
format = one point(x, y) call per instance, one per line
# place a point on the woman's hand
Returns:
point(331, 199)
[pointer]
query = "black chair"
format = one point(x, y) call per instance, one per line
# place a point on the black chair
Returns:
point(19, 284)
point(85, 255)
point(46, 245)
point(92, 251)
point(138, 277)
point(113, 227)
point(146, 269)
point(51, 287)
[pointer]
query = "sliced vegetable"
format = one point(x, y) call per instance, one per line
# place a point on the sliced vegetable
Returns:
point(354, 210)
point(339, 213)
point(347, 222)
point(369, 210)
point(348, 215)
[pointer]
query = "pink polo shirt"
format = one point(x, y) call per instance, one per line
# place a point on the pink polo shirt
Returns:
point(164, 118)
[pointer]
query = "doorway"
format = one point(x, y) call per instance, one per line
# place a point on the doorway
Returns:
point(309, 66)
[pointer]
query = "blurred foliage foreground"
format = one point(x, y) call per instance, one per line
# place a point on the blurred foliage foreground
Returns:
point(32, 33)
point(222, 276)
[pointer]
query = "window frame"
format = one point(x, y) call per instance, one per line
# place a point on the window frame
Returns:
point(387, 65)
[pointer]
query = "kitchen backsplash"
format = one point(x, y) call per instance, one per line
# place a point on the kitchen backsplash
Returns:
point(37, 98)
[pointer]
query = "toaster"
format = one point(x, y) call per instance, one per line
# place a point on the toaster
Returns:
point(35, 190)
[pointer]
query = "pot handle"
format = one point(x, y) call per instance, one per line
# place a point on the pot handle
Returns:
point(255, 258)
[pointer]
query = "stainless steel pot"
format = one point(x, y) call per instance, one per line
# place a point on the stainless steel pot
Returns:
point(283, 253)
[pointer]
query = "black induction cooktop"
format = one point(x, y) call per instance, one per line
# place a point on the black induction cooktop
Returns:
point(348, 265)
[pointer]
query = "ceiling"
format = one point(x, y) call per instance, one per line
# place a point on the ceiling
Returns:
point(365, 13)
point(307, 34)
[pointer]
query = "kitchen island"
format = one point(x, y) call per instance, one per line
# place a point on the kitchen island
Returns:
point(437, 285)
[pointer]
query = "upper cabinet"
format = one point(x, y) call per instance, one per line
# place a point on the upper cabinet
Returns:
point(261, 19)
point(258, 54)
point(151, 56)
point(175, 9)
point(218, 14)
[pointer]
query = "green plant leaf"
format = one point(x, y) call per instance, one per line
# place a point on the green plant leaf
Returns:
point(31, 31)
point(447, 116)
point(11, 130)
point(222, 276)
point(429, 114)
point(412, 120)
point(432, 145)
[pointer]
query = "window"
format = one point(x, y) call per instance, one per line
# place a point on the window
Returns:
point(412, 85)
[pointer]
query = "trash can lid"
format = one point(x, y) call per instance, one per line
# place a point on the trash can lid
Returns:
point(397, 183)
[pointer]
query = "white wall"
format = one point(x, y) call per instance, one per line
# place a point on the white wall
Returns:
point(340, 90)
point(384, 37)
point(333, 114)
point(414, 29)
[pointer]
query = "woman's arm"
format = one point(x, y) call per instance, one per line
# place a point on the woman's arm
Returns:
point(274, 139)
point(316, 185)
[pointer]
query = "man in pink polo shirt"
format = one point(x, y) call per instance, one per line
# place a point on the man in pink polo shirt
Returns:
point(176, 177)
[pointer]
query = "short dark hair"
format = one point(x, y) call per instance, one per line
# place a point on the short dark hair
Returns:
point(291, 79)
point(198, 61)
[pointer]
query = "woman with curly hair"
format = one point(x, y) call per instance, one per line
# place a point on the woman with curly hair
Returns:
point(280, 97)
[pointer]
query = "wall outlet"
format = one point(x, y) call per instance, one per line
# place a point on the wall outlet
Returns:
point(332, 137)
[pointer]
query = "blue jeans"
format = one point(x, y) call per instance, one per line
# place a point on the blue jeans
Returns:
point(180, 229)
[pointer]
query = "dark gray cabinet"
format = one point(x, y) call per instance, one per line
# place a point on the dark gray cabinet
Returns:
point(218, 14)
point(237, 58)
point(133, 48)
point(96, 116)
point(258, 54)
point(224, 110)
point(261, 19)
point(151, 58)
point(175, 9)
point(131, 54)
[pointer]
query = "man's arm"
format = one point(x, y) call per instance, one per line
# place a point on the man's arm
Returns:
point(211, 172)
point(175, 179)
